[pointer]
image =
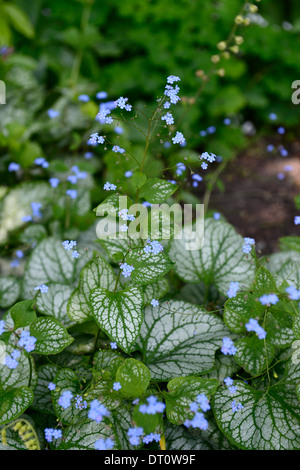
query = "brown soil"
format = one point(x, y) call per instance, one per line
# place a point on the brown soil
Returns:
point(255, 201)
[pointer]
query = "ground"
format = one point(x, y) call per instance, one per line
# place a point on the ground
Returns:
point(255, 201)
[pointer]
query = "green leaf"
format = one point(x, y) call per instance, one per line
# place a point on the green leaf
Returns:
point(289, 243)
point(155, 290)
point(182, 392)
point(156, 190)
point(9, 291)
point(149, 422)
point(134, 378)
point(33, 234)
point(20, 375)
point(51, 336)
point(179, 339)
point(19, 20)
point(14, 402)
point(138, 179)
point(54, 303)
point(23, 313)
point(269, 420)
point(264, 282)
point(287, 267)
point(220, 261)
point(254, 354)
point(97, 273)
point(50, 262)
point(67, 380)
point(148, 267)
point(119, 314)
point(106, 360)
point(42, 395)
point(179, 438)
point(84, 435)
point(238, 311)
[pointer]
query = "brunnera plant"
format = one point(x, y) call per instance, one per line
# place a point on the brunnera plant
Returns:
point(136, 342)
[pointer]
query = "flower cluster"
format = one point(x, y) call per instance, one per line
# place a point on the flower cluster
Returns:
point(233, 289)
point(51, 434)
point(41, 161)
point(168, 118)
point(26, 341)
point(123, 213)
point(42, 288)
point(151, 437)
point(153, 406)
point(118, 149)
point(97, 411)
point(179, 138)
point(11, 360)
point(229, 383)
point(104, 444)
point(153, 247)
point(269, 299)
point(122, 104)
point(65, 399)
point(248, 242)
point(253, 325)
point(228, 347)
point(127, 269)
point(294, 294)
point(69, 245)
point(208, 158)
point(134, 435)
point(109, 186)
point(199, 421)
point(80, 404)
point(95, 139)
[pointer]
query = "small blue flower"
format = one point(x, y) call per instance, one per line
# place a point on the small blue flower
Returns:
point(65, 399)
point(253, 325)
point(42, 288)
point(297, 220)
point(2, 326)
point(113, 345)
point(26, 341)
point(228, 347)
point(117, 386)
point(13, 167)
point(97, 411)
point(54, 182)
point(233, 289)
point(179, 138)
point(84, 98)
point(154, 303)
point(72, 193)
point(269, 299)
point(104, 444)
point(51, 386)
point(101, 95)
point(52, 113)
point(109, 187)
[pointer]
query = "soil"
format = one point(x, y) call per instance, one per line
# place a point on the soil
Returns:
point(255, 201)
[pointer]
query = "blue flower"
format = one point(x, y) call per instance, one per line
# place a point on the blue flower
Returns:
point(294, 294)
point(95, 139)
point(228, 347)
point(154, 303)
point(168, 118)
point(72, 193)
point(253, 325)
point(35, 206)
point(65, 399)
point(42, 288)
point(113, 345)
point(2, 326)
point(51, 386)
point(153, 406)
point(11, 361)
point(97, 411)
point(104, 444)
point(151, 437)
point(84, 98)
point(13, 166)
point(26, 341)
point(203, 402)
point(80, 404)
point(54, 182)
point(281, 130)
point(117, 386)
point(199, 421)
point(297, 220)
point(51, 434)
point(109, 187)
point(127, 269)
point(179, 138)
point(269, 299)
point(101, 95)
point(134, 435)
point(233, 289)
point(52, 113)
